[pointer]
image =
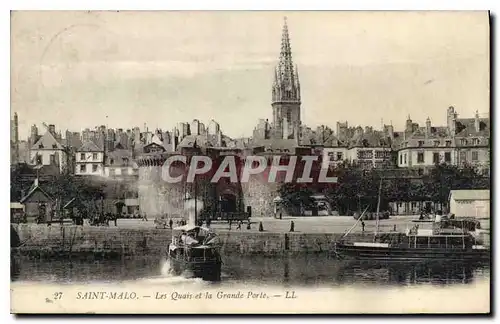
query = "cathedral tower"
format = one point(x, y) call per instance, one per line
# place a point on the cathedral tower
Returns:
point(286, 92)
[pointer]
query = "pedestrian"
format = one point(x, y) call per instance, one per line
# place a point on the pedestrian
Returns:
point(239, 225)
point(116, 220)
point(362, 226)
point(394, 227)
point(230, 222)
point(171, 223)
point(145, 217)
point(249, 227)
point(292, 226)
point(261, 227)
point(281, 215)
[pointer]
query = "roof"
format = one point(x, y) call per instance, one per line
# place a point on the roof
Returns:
point(33, 189)
point(89, 146)
point(16, 205)
point(119, 157)
point(467, 127)
point(47, 142)
point(472, 194)
point(277, 143)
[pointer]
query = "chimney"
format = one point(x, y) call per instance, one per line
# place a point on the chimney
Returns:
point(173, 139)
point(219, 138)
point(428, 127)
point(476, 121)
point(52, 129)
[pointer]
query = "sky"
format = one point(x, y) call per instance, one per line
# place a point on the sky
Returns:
point(79, 69)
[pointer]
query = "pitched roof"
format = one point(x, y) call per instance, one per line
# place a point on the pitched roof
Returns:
point(89, 146)
point(35, 187)
point(467, 127)
point(47, 142)
point(119, 158)
point(470, 194)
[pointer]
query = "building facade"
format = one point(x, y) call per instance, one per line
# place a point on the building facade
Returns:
point(89, 160)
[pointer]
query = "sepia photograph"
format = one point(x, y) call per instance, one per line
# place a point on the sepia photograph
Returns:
point(250, 162)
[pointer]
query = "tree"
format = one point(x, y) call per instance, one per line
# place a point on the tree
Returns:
point(296, 195)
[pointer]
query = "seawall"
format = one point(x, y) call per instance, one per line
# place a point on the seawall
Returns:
point(42, 240)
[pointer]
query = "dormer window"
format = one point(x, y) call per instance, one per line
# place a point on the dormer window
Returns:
point(420, 143)
point(436, 143)
point(475, 141)
point(54, 146)
point(463, 141)
point(40, 146)
point(448, 143)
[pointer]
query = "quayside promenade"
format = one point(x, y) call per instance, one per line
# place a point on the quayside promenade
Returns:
point(132, 237)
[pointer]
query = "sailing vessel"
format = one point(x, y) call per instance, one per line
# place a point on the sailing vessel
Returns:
point(193, 248)
point(437, 239)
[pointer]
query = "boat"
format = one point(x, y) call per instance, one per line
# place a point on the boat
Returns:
point(436, 239)
point(193, 250)
point(424, 241)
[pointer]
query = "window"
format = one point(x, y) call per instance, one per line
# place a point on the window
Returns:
point(401, 159)
point(82, 156)
point(435, 158)
point(339, 156)
point(289, 115)
point(420, 143)
point(420, 157)
point(94, 156)
point(463, 141)
point(365, 154)
point(448, 143)
point(94, 167)
point(39, 160)
point(475, 141)
point(463, 157)
point(405, 158)
point(475, 156)
point(380, 154)
point(82, 168)
point(436, 143)
point(52, 159)
point(447, 157)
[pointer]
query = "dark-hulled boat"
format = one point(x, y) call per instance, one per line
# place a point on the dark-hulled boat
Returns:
point(193, 250)
point(426, 240)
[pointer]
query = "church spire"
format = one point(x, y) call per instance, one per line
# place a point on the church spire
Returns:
point(287, 86)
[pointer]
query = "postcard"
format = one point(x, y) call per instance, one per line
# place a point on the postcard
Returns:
point(250, 162)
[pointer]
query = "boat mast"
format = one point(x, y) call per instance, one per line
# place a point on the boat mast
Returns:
point(378, 208)
point(356, 223)
point(195, 201)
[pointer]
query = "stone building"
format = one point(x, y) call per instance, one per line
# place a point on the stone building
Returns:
point(463, 141)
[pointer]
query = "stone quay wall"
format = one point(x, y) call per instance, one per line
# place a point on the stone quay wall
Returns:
point(79, 240)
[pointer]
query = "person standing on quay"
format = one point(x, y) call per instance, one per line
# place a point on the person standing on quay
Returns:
point(362, 226)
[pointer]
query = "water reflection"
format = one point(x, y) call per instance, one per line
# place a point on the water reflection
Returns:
point(303, 270)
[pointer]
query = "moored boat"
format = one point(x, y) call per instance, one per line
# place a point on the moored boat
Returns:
point(426, 240)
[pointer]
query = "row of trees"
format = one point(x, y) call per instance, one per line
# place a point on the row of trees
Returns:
point(358, 187)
